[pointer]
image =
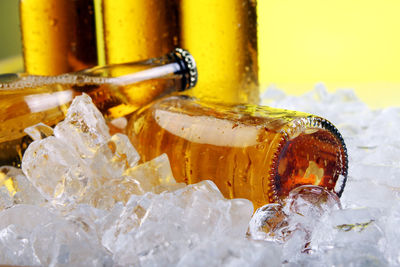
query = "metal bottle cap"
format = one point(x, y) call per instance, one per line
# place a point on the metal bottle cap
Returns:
point(188, 68)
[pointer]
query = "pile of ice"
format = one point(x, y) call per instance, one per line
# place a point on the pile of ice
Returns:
point(82, 199)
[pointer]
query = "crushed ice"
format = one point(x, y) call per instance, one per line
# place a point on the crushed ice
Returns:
point(82, 199)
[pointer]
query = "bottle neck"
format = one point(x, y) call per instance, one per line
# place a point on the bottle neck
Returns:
point(178, 64)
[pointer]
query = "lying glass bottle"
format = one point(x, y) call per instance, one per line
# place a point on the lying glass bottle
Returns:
point(26, 100)
point(253, 152)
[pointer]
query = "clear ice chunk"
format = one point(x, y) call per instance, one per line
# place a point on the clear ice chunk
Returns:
point(63, 243)
point(114, 157)
point(227, 251)
point(6, 198)
point(292, 223)
point(84, 127)
point(153, 176)
point(156, 228)
point(347, 226)
point(269, 223)
point(15, 246)
point(56, 170)
point(305, 206)
point(15, 188)
point(34, 236)
point(359, 194)
point(311, 201)
point(352, 236)
point(39, 131)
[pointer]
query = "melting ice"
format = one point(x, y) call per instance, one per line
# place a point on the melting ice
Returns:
point(82, 199)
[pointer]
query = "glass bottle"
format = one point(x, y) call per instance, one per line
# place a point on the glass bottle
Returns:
point(135, 30)
point(58, 36)
point(26, 100)
point(222, 36)
point(254, 152)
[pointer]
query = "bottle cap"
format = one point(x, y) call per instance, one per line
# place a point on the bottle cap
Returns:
point(188, 68)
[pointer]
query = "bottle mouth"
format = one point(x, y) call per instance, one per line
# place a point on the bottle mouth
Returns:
point(311, 152)
point(188, 68)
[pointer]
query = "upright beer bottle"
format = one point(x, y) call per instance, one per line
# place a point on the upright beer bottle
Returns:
point(58, 36)
point(222, 36)
point(139, 29)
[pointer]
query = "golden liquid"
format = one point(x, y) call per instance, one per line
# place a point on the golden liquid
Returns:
point(258, 153)
point(140, 29)
point(58, 36)
point(222, 36)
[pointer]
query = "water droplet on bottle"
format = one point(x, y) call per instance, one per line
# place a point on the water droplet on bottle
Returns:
point(53, 22)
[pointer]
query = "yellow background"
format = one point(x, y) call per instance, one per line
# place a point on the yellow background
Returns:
point(342, 43)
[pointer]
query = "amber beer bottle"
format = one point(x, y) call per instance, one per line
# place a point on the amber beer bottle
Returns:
point(140, 29)
point(26, 100)
point(254, 152)
point(222, 36)
point(58, 36)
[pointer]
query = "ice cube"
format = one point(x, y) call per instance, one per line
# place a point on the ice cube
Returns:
point(62, 243)
point(269, 223)
point(359, 254)
point(16, 248)
point(228, 251)
point(32, 235)
point(106, 195)
point(84, 127)
point(16, 226)
point(152, 176)
point(39, 131)
point(348, 226)
point(90, 219)
point(305, 206)
point(350, 236)
point(362, 194)
point(377, 173)
point(57, 171)
point(156, 228)
point(390, 226)
point(114, 157)
point(6, 200)
point(17, 189)
point(293, 223)
point(311, 201)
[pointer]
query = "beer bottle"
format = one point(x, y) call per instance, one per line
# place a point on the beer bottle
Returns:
point(135, 30)
point(26, 100)
point(253, 152)
point(222, 36)
point(58, 36)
